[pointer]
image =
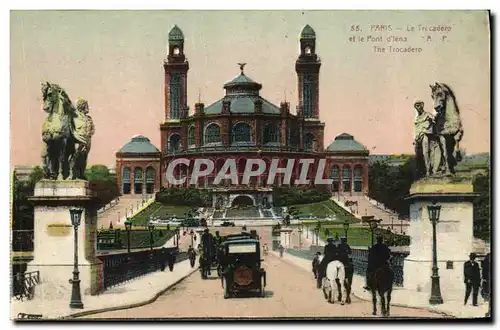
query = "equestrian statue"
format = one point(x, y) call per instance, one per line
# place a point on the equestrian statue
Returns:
point(67, 132)
point(438, 134)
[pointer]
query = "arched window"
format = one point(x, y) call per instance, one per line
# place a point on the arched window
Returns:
point(126, 180)
point(138, 179)
point(309, 142)
point(174, 143)
point(358, 178)
point(177, 51)
point(272, 133)
point(335, 178)
point(242, 132)
point(191, 139)
point(346, 178)
point(212, 134)
point(150, 180)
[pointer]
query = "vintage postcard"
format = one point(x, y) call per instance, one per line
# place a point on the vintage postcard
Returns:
point(250, 165)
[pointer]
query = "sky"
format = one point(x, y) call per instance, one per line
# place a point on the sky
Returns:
point(114, 59)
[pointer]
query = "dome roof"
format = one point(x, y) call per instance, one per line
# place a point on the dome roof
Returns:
point(308, 33)
point(139, 144)
point(244, 82)
point(242, 93)
point(176, 34)
point(345, 142)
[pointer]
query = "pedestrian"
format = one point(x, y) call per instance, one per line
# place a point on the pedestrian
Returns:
point(315, 264)
point(163, 258)
point(472, 279)
point(486, 277)
point(171, 261)
point(192, 255)
point(282, 249)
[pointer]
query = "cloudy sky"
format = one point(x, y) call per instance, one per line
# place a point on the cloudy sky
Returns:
point(114, 59)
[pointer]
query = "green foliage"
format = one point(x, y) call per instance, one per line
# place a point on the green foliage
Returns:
point(99, 173)
point(102, 183)
point(284, 196)
point(184, 196)
point(22, 209)
point(160, 210)
point(482, 213)
point(391, 184)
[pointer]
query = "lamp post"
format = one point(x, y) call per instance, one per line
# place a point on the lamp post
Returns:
point(346, 228)
point(128, 227)
point(373, 223)
point(300, 236)
point(151, 228)
point(401, 225)
point(307, 230)
point(435, 299)
point(191, 233)
point(76, 296)
point(392, 223)
point(178, 236)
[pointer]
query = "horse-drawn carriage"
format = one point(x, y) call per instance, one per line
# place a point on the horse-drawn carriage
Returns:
point(241, 264)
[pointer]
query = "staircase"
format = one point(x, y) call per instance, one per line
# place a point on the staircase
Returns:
point(367, 206)
point(117, 213)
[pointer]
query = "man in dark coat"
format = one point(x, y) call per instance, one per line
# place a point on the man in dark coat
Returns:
point(331, 253)
point(472, 279)
point(191, 255)
point(171, 260)
point(315, 264)
point(486, 277)
point(378, 255)
point(163, 258)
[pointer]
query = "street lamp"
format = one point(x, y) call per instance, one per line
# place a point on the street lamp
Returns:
point(316, 230)
point(128, 227)
point(435, 299)
point(300, 236)
point(178, 236)
point(346, 228)
point(76, 296)
point(151, 228)
point(373, 223)
point(191, 233)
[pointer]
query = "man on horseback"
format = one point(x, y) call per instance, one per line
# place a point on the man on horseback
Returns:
point(331, 253)
point(378, 256)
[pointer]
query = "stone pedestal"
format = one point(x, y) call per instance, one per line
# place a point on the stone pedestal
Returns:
point(454, 234)
point(54, 239)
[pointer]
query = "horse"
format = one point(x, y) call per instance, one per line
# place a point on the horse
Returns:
point(57, 131)
point(380, 281)
point(448, 128)
point(335, 273)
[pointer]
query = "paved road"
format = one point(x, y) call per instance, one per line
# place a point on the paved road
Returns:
point(291, 292)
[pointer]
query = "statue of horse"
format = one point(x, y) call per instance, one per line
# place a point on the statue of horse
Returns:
point(380, 281)
point(445, 152)
point(335, 280)
point(57, 131)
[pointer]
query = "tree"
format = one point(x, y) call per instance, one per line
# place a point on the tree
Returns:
point(99, 173)
point(482, 213)
point(22, 209)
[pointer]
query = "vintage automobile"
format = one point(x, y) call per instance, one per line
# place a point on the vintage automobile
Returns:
point(241, 266)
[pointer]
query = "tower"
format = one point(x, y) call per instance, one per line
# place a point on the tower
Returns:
point(176, 67)
point(307, 67)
